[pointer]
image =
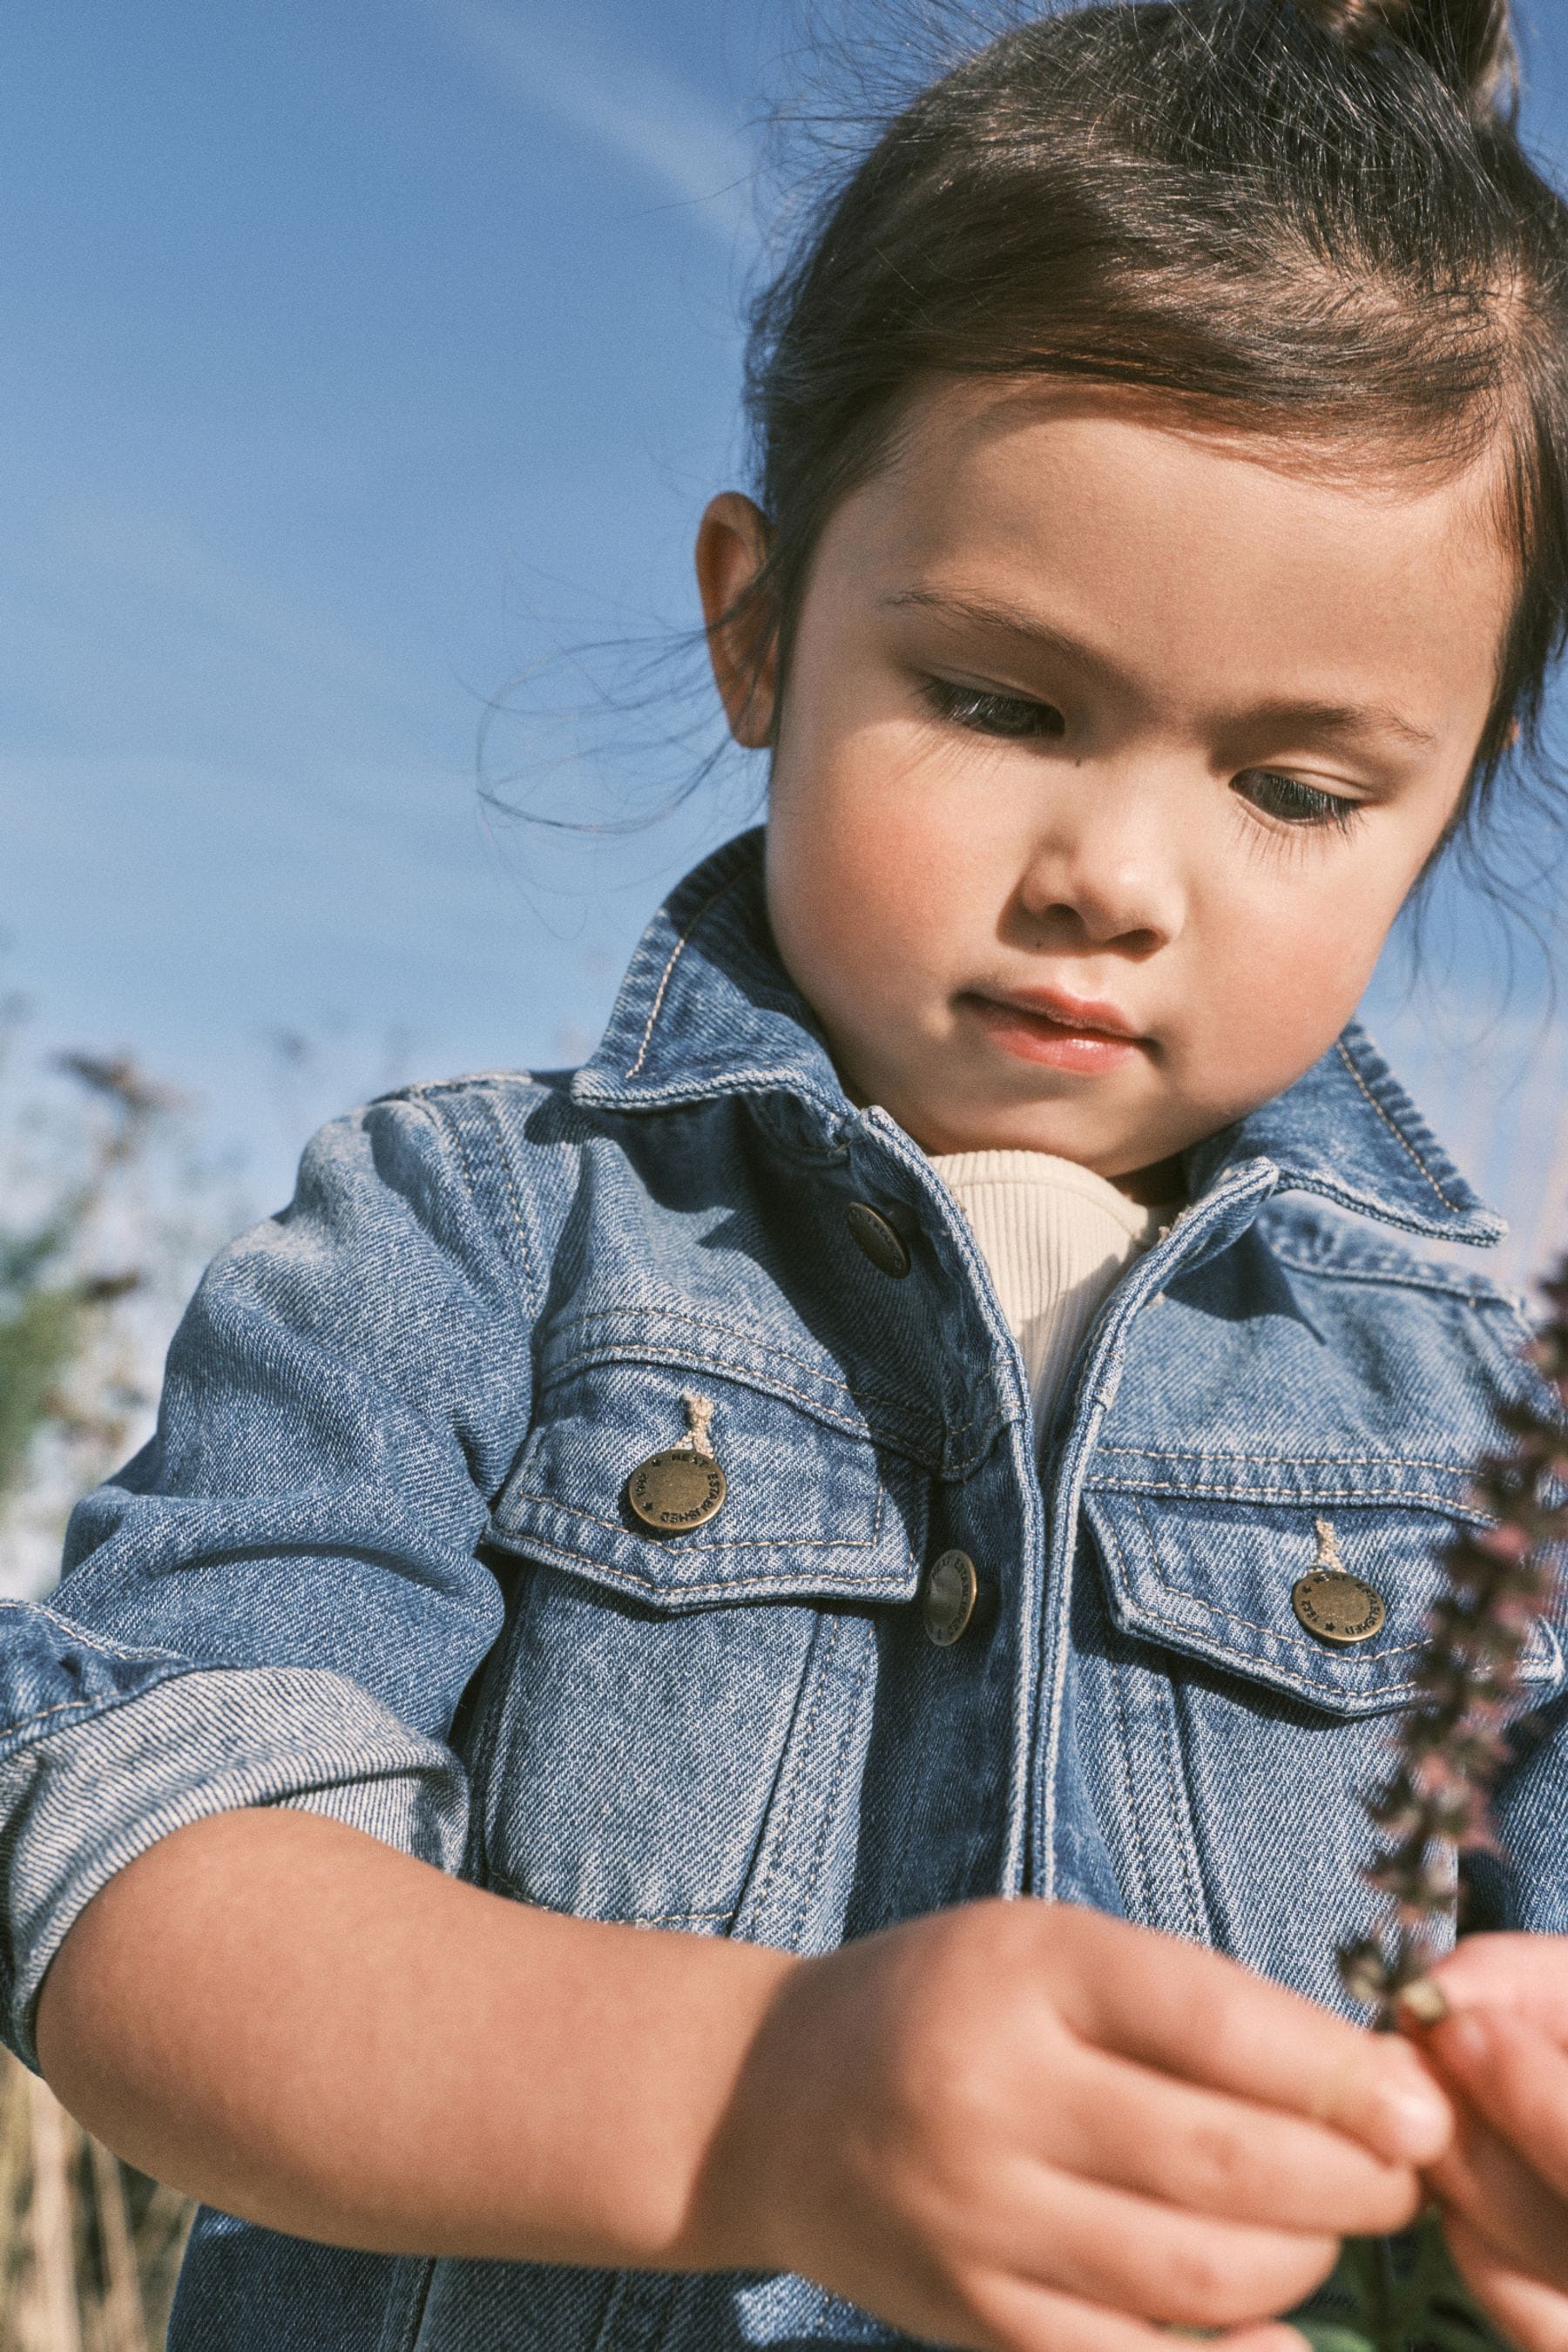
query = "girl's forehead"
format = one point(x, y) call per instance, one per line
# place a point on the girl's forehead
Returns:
point(999, 425)
point(1042, 471)
point(1191, 571)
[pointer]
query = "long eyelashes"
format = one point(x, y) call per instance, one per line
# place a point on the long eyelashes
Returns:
point(1288, 801)
point(1013, 716)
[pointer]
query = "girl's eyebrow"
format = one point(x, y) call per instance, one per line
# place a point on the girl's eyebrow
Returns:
point(1012, 620)
point(1340, 719)
point(1345, 719)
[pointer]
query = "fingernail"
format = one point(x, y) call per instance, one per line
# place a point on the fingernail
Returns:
point(1420, 2120)
point(1422, 2003)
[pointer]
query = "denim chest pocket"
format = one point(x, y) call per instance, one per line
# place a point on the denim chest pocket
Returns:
point(1215, 1579)
point(1229, 1748)
point(677, 1727)
point(811, 1508)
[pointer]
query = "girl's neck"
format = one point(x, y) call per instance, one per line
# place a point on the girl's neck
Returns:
point(1153, 1186)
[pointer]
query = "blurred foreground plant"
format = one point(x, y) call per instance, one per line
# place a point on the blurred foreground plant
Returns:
point(1406, 2295)
point(89, 2249)
point(108, 1210)
point(49, 1292)
point(1454, 1742)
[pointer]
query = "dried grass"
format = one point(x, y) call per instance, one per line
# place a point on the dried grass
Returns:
point(88, 2247)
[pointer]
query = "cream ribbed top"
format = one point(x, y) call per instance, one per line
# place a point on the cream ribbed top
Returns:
point(1055, 1237)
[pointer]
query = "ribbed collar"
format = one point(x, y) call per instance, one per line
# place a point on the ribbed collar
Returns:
point(707, 1009)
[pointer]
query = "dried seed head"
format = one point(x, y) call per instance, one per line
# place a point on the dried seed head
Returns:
point(1453, 1741)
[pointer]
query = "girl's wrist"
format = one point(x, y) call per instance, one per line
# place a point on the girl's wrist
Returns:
point(740, 2213)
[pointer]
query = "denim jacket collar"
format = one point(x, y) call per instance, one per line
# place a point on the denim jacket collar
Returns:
point(706, 1009)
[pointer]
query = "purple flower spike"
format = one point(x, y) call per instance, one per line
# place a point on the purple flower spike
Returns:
point(1453, 1741)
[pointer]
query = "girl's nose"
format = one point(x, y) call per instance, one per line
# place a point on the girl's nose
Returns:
point(1106, 872)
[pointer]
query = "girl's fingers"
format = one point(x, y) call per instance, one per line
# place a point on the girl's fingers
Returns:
point(1017, 2317)
point(1134, 2255)
point(1527, 1975)
point(1489, 2185)
point(1517, 2078)
point(1189, 2012)
point(1531, 2316)
point(1115, 2122)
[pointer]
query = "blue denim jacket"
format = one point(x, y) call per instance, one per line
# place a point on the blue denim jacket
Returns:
point(379, 1560)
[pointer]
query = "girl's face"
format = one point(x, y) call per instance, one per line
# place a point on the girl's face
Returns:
point(1110, 750)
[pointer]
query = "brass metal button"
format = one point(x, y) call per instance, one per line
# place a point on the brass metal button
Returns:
point(677, 1489)
point(1337, 1606)
point(1333, 1603)
point(950, 1598)
point(881, 1240)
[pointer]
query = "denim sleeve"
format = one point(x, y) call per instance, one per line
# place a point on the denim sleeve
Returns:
point(281, 1600)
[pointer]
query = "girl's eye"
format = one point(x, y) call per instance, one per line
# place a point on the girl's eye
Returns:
point(1012, 715)
point(1290, 802)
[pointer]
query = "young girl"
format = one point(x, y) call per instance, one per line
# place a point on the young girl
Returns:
point(510, 1802)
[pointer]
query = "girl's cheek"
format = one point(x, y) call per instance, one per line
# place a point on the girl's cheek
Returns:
point(1283, 971)
point(866, 862)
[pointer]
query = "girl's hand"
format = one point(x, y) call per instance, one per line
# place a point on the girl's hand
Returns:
point(1503, 2185)
point(1026, 2128)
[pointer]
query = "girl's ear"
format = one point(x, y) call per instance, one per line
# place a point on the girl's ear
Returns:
point(732, 544)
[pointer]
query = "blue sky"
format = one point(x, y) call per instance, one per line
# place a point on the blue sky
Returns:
point(358, 358)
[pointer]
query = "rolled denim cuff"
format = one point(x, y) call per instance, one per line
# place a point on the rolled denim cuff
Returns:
point(78, 1804)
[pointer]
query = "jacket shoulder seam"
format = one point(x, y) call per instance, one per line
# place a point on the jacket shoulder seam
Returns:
point(441, 1116)
point(465, 1082)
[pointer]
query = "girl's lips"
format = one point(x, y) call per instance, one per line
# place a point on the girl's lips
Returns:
point(1067, 1040)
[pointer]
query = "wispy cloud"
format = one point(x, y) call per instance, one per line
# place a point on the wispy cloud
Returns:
point(641, 113)
point(189, 646)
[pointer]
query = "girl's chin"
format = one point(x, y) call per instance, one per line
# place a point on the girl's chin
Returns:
point(943, 1123)
point(955, 1092)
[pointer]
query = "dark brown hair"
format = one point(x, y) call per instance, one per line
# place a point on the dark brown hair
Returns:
point(1307, 219)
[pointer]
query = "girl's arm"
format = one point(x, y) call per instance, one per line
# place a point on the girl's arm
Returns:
point(1010, 2126)
point(307, 2027)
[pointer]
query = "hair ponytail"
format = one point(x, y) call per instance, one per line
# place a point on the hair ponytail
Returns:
point(1469, 44)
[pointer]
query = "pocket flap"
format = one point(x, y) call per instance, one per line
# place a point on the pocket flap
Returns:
point(811, 1507)
point(1215, 1579)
